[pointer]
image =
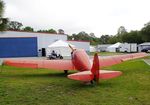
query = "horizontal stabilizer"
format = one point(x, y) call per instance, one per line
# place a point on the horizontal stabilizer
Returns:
point(87, 75)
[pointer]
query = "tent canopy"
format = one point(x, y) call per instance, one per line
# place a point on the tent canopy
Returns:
point(114, 47)
point(60, 43)
point(60, 47)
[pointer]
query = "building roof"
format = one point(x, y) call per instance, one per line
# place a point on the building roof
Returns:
point(34, 32)
point(78, 41)
point(144, 44)
point(104, 45)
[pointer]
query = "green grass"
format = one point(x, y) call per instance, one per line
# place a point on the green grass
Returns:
point(47, 87)
point(107, 53)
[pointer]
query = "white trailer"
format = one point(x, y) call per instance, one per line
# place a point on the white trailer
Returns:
point(133, 47)
point(128, 47)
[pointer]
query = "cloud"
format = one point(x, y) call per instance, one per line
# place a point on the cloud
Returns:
point(98, 16)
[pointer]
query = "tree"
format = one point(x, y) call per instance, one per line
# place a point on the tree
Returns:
point(14, 25)
point(92, 35)
point(61, 31)
point(147, 24)
point(82, 36)
point(48, 31)
point(113, 39)
point(85, 37)
point(52, 31)
point(145, 31)
point(121, 30)
point(3, 21)
point(132, 37)
point(104, 39)
point(29, 29)
point(1, 8)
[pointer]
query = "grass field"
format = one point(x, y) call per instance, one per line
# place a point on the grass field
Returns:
point(46, 87)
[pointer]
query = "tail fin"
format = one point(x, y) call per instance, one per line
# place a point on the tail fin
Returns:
point(95, 68)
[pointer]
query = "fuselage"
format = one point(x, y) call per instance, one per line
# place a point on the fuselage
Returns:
point(81, 60)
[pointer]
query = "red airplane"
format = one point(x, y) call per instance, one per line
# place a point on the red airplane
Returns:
point(88, 72)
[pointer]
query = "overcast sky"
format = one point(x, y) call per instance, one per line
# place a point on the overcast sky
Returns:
point(98, 16)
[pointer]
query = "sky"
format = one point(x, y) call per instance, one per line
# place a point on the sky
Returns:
point(73, 16)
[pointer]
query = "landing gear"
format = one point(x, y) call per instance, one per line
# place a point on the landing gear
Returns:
point(1, 69)
point(66, 71)
point(92, 82)
point(88, 82)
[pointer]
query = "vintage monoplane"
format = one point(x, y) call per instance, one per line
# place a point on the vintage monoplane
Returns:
point(88, 71)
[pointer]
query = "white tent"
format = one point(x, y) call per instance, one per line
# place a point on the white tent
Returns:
point(114, 47)
point(60, 47)
point(92, 49)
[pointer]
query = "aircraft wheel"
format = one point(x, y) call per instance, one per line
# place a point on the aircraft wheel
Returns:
point(66, 71)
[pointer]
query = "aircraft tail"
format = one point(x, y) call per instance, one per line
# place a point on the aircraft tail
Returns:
point(95, 73)
point(95, 68)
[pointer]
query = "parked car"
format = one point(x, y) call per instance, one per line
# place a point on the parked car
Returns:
point(146, 49)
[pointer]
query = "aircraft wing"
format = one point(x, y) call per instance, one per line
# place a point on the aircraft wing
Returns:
point(47, 64)
point(87, 75)
point(109, 61)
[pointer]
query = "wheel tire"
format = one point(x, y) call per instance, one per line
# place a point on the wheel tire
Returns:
point(61, 57)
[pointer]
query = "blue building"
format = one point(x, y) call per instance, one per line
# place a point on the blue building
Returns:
point(26, 44)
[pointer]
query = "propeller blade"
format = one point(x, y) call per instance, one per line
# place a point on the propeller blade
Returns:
point(71, 47)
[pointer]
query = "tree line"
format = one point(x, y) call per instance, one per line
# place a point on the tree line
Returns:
point(134, 36)
point(17, 26)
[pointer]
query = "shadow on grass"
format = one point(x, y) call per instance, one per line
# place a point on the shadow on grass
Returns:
point(76, 85)
point(36, 75)
point(80, 85)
